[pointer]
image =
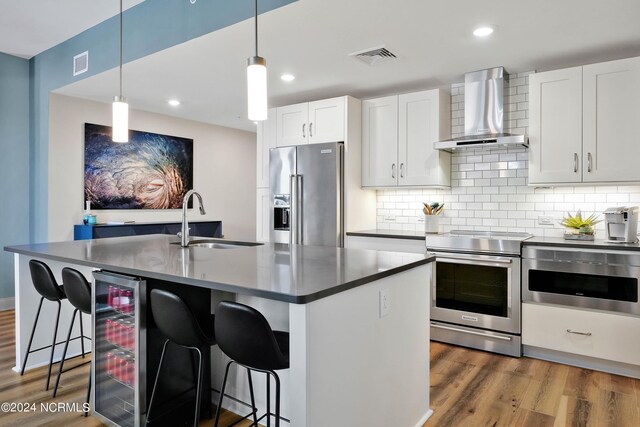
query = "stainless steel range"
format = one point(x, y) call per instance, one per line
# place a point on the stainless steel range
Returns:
point(475, 297)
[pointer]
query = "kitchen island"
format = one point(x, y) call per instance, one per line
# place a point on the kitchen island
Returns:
point(351, 363)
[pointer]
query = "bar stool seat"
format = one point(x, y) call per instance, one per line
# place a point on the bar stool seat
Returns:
point(46, 285)
point(78, 291)
point(176, 321)
point(245, 336)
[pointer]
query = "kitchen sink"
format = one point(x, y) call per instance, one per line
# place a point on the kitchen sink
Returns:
point(218, 244)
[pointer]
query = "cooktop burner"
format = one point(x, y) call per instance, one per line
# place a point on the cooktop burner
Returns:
point(497, 242)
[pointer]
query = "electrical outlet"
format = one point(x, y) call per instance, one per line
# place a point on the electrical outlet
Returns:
point(545, 220)
point(385, 302)
point(389, 217)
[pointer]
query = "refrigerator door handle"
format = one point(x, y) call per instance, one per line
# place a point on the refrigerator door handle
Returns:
point(293, 225)
point(299, 212)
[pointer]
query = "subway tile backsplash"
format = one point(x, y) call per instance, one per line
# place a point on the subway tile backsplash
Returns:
point(489, 189)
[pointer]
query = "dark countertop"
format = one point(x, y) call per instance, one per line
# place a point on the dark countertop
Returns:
point(389, 234)
point(296, 274)
point(595, 244)
point(128, 223)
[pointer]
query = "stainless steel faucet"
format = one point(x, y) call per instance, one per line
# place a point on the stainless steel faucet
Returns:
point(184, 234)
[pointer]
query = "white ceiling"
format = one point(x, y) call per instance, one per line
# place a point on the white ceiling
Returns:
point(312, 39)
point(28, 27)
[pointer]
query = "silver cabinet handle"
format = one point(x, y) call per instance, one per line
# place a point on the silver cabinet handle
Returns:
point(401, 170)
point(586, 334)
point(311, 130)
point(303, 134)
point(575, 162)
point(393, 170)
point(589, 161)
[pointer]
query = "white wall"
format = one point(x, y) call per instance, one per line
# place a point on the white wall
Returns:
point(489, 190)
point(224, 168)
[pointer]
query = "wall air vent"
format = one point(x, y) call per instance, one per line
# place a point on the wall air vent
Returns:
point(374, 55)
point(81, 63)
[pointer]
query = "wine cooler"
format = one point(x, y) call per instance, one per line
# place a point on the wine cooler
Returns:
point(119, 332)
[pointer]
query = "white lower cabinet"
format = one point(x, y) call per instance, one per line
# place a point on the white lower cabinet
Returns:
point(606, 336)
point(262, 214)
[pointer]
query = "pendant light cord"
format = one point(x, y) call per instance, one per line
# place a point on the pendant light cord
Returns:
point(256, 32)
point(121, 49)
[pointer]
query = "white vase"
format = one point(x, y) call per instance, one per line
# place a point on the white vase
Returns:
point(432, 224)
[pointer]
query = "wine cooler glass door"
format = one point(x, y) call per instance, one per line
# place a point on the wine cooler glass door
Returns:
point(119, 336)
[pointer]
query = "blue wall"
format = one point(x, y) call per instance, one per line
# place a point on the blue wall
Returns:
point(149, 27)
point(14, 162)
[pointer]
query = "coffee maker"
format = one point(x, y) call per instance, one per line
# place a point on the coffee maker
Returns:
point(621, 224)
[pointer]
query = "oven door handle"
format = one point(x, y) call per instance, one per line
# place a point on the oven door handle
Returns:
point(466, 331)
point(470, 259)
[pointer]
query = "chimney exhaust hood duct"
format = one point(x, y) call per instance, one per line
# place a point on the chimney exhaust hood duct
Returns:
point(483, 113)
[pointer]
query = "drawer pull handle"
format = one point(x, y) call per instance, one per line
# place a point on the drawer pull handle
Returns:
point(586, 334)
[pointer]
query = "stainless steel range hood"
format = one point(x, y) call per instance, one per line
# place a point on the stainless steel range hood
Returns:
point(483, 113)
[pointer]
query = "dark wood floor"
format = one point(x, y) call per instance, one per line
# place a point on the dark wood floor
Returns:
point(468, 388)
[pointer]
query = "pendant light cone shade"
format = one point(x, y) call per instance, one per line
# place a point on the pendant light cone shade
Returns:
point(257, 88)
point(120, 130)
point(120, 108)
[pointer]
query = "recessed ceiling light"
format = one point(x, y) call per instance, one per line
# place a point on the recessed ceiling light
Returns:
point(288, 77)
point(173, 102)
point(483, 31)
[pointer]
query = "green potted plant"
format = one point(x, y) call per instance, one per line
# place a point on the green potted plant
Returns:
point(579, 228)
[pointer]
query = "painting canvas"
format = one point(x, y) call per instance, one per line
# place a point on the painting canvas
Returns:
point(151, 171)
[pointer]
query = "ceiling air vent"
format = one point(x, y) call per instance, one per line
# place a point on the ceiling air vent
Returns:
point(80, 63)
point(374, 55)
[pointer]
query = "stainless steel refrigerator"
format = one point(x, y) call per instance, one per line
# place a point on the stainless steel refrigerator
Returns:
point(306, 185)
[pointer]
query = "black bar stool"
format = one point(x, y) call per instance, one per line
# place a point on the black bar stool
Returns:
point(78, 291)
point(46, 285)
point(244, 335)
point(176, 321)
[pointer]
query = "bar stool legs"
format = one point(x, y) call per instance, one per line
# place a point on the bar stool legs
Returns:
point(66, 346)
point(253, 400)
point(198, 383)
point(53, 344)
point(33, 331)
point(254, 411)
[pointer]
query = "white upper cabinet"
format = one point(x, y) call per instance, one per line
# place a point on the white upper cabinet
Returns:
point(611, 128)
point(380, 142)
point(555, 131)
point(266, 140)
point(424, 118)
point(584, 124)
point(292, 127)
point(326, 120)
point(311, 122)
point(398, 133)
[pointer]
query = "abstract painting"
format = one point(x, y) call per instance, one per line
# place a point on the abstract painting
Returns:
point(151, 171)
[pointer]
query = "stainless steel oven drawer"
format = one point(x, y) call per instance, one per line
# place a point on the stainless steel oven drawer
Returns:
point(494, 342)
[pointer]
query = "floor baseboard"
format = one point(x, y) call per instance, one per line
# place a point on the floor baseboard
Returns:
point(7, 303)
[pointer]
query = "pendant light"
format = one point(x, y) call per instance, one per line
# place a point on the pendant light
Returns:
point(120, 129)
point(257, 81)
